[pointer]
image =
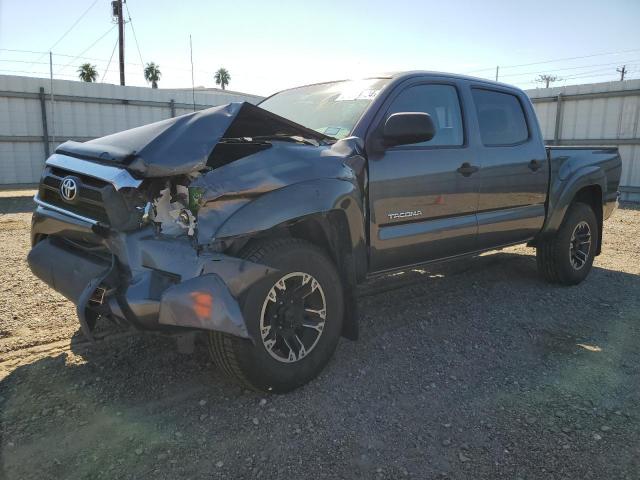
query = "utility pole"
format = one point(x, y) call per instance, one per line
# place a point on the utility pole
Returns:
point(53, 105)
point(622, 71)
point(193, 85)
point(497, 70)
point(116, 9)
point(547, 79)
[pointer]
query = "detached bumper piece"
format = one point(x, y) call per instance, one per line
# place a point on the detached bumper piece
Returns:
point(66, 271)
point(204, 303)
point(78, 276)
point(200, 294)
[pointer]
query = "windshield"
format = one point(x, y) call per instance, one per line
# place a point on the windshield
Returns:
point(329, 108)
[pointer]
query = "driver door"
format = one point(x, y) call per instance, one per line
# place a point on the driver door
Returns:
point(423, 196)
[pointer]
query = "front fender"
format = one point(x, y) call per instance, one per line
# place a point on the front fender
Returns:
point(296, 201)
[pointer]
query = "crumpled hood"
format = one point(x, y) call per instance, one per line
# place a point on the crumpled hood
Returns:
point(183, 144)
point(230, 187)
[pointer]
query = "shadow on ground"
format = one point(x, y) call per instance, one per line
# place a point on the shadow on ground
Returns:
point(474, 369)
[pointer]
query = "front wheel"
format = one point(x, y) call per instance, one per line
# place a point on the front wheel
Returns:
point(293, 316)
point(567, 257)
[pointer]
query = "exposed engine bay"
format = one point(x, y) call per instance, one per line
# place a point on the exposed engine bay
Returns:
point(171, 211)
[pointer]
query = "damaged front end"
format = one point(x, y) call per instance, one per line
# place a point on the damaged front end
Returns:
point(144, 226)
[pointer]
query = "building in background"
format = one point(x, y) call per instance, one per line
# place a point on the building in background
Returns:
point(595, 114)
point(31, 125)
point(591, 114)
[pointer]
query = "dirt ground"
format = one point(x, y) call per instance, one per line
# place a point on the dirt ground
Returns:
point(475, 369)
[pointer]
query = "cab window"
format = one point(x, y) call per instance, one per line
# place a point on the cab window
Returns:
point(439, 101)
point(501, 118)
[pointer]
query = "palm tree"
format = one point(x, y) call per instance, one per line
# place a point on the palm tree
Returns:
point(152, 74)
point(87, 72)
point(222, 77)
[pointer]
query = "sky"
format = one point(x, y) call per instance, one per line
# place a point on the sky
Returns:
point(269, 46)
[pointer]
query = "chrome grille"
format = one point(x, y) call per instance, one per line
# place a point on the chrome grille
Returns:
point(89, 201)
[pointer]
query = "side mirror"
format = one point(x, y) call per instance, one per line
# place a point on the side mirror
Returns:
point(403, 128)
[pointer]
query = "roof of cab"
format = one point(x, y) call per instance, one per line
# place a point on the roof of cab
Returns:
point(414, 73)
point(405, 75)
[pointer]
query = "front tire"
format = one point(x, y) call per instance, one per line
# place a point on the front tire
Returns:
point(567, 257)
point(294, 317)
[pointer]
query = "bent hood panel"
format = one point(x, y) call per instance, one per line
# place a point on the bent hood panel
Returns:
point(229, 188)
point(183, 144)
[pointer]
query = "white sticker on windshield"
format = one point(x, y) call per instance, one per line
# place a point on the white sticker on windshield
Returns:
point(362, 95)
point(368, 94)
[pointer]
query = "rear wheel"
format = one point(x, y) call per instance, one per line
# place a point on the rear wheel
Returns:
point(567, 257)
point(294, 317)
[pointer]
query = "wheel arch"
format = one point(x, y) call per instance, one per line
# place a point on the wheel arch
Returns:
point(327, 213)
point(587, 185)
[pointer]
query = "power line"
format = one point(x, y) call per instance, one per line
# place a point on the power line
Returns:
point(45, 63)
point(89, 47)
point(21, 51)
point(589, 74)
point(61, 55)
point(572, 78)
point(71, 28)
point(556, 60)
point(65, 33)
point(134, 33)
point(37, 73)
point(42, 74)
point(24, 61)
point(562, 69)
point(104, 60)
point(110, 58)
point(75, 57)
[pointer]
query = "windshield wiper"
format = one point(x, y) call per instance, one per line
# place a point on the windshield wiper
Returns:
point(293, 138)
point(284, 138)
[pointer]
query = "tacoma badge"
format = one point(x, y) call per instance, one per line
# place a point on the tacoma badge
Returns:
point(396, 215)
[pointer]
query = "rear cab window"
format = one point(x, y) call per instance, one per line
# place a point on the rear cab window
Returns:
point(501, 118)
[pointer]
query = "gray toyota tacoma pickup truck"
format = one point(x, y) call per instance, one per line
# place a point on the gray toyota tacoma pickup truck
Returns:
point(255, 224)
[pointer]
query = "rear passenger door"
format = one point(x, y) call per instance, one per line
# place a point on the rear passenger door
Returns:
point(514, 171)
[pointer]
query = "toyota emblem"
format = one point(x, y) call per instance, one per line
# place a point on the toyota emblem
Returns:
point(69, 189)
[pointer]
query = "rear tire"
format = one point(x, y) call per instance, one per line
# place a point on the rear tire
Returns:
point(567, 257)
point(294, 317)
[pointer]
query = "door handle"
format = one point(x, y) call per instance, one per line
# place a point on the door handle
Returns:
point(467, 169)
point(534, 165)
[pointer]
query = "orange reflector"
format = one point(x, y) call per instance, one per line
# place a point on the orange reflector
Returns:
point(202, 304)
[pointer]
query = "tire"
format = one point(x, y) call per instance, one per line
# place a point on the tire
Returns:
point(267, 364)
point(566, 258)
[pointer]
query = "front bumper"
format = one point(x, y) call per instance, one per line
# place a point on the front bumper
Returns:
point(151, 281)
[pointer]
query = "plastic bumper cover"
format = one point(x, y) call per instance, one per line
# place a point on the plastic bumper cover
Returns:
point(152, 282)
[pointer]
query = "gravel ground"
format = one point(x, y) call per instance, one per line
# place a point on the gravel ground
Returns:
point(472, 369)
